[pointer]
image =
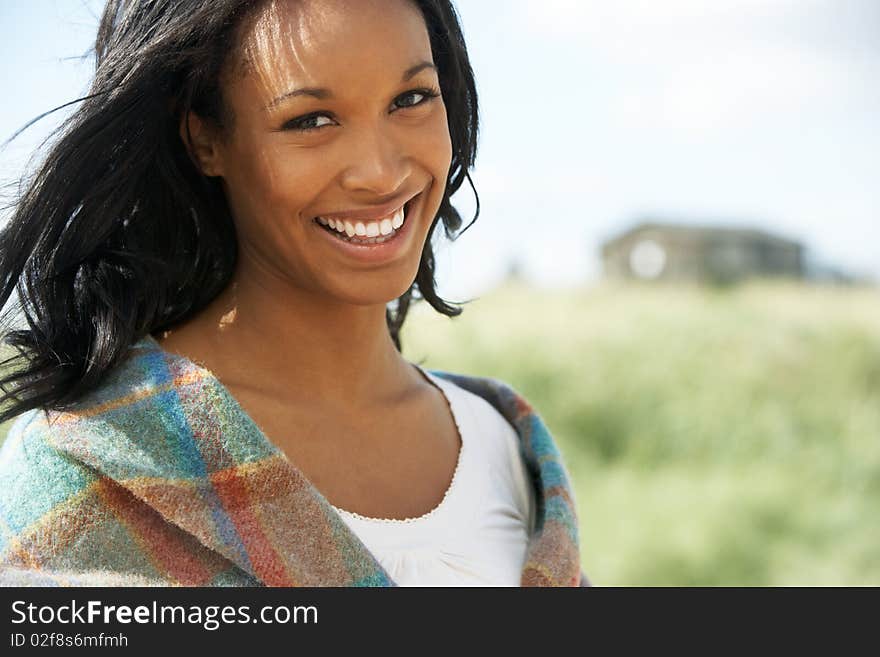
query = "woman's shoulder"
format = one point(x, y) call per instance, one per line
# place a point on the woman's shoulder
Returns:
point(39, 484)
point(512, 405)
point(66, 522)
point(555, 496)
point(80, 490)
point(115, 412)
point(501, 395)
point(32, 467)
point(142, 421)
point(539, 447)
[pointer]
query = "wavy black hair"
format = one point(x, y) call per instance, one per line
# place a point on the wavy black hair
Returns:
point(117, 234)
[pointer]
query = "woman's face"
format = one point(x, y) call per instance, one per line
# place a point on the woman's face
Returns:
point(370, 142)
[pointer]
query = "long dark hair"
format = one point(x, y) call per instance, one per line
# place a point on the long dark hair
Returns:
point(118, 235)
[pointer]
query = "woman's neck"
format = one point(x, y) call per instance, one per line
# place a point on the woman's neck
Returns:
point(309, 349)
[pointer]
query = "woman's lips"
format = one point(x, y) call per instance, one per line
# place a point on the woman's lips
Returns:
point(375, 252)
point(369, 214)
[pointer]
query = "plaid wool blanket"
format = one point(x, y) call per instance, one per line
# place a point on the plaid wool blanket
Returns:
point(159, 477)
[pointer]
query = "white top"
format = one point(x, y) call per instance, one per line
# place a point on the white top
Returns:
point(477, 535)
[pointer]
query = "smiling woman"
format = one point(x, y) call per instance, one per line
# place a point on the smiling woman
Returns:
point(207, 308)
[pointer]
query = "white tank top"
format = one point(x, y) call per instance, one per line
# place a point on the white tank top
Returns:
point(477, 535)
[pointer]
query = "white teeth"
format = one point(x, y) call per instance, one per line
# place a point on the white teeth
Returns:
point(370, 229)
point(397, 221)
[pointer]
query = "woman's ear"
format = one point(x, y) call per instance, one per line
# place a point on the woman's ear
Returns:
point(202, 143)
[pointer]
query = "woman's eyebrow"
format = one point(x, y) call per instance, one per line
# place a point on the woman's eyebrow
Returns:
point(322, 93)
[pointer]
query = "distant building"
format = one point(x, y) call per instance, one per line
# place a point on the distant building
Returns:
point(671, 252)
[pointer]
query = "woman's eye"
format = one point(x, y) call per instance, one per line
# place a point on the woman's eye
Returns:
point(422, 96)
point(307, 123)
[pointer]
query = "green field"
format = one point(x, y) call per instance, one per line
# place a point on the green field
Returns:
point(714, 436)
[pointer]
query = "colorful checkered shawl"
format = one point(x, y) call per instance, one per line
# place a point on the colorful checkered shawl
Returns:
point(159, 477)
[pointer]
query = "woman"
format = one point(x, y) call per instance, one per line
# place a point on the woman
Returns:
point(245, 189)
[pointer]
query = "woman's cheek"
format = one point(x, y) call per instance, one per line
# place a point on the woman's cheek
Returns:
point(252, 179)
point(439, 144)
point(278, 184)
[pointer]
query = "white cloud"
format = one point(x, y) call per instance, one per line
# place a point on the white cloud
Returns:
point(732, 89)
point(701, 68)
point(615, 25)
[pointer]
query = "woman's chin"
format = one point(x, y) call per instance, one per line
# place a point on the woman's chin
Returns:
point(374, 292)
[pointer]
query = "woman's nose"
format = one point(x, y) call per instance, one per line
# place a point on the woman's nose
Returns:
point(376, 163)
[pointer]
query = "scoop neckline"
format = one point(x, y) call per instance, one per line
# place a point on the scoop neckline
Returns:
point(456, 473)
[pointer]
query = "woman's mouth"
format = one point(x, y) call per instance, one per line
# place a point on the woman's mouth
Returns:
point(372, 241)
point(377, 231)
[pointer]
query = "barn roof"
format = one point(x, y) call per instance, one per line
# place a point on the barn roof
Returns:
point(700, 232)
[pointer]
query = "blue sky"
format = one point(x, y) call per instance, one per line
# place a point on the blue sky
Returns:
point(595, 113)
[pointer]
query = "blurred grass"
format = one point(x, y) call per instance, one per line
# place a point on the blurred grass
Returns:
point(714, 436)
